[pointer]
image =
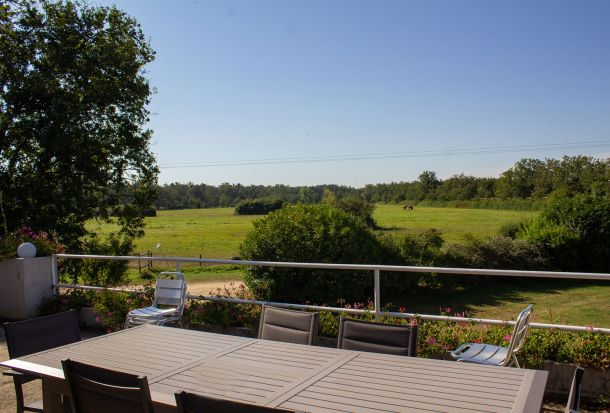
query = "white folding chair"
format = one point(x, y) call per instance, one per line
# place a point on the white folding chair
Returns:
point(497, 355)
point(168, 306)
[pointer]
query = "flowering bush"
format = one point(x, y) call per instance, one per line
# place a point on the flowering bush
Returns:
point(45, 243)
point(435, 338)
point(223, 314)
point(110, 307)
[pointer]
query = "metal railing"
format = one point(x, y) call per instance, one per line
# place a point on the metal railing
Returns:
point(376, 272)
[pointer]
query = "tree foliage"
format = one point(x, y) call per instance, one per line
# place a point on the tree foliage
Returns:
point(73, 96)
point(260, 206)
point(529, 180)
point(573, 232)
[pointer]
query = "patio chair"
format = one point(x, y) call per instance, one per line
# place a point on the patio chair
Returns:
point(289, 326)
point(195, 403)
point(573, 405)
point(98, 390)
point(497, 355)
point(377, 338)
point(168, 306)
point(34, 335)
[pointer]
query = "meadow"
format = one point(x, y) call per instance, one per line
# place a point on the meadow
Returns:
point(217, 233)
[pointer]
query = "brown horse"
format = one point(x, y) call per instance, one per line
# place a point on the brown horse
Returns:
point(408, 206)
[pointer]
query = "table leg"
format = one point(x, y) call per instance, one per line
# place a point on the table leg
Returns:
point(52, 390)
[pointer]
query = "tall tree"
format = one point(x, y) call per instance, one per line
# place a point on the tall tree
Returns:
point(73, 97)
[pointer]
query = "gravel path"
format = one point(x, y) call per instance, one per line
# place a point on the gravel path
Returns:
point(204, 288)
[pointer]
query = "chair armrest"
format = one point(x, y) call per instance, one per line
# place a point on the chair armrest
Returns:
point(20, 377)
point(456, 353)
point(13, 373)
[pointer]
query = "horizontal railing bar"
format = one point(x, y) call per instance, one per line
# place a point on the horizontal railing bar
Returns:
point(429, 317)
point(361, 267)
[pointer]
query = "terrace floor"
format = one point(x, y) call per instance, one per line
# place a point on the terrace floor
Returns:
point(33, 392)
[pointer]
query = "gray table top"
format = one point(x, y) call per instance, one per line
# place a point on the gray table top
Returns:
point(292, 376)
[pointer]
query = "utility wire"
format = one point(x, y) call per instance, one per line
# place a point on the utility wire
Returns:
point(394, 155)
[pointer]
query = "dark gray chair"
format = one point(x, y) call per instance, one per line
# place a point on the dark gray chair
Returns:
point(573, 405)
point(194, 403)
point(35, 335)
point(377, 338)
point(98, 390)
point(290, 326)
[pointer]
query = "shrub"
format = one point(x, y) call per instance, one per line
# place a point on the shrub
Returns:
point(261, 206)
point(415, 249)
point(312, 233)
point(495, 252)
point(109, 307)
point(104, 273)
point(573, 232)
point(223, 314)
point(45, 243)
point(353, 204)
point(436, 338)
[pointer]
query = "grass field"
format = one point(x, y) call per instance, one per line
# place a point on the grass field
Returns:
point(453, 223)
point(217, 233)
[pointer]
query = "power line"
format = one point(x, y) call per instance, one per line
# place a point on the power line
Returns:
point(394, 155)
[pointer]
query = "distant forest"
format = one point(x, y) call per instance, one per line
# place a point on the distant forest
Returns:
point(528, 179)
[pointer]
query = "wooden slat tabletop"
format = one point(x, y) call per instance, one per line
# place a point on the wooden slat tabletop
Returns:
point(400, 384)
point(292, 376)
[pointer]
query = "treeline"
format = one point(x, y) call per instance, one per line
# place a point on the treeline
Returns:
point(528, 179)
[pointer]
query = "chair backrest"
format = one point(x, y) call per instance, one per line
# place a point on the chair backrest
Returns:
point(290, 326)
point(573, 405)
point(377, 338)
point(194, 403)
point(98, 390)
point(170, 291)
point(520, 331)
point(42, 333)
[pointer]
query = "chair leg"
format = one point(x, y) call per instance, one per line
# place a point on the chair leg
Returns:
point(126, 326)
point(516, 361)
point(19, 396)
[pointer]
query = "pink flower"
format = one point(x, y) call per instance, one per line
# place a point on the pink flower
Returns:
point(430, 340)
point(402, 309)
point(449, 310)
point(589, 328)
point(508, 337)
point(108, 331)
point(97, 319)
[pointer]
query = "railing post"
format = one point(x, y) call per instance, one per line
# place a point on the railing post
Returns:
point(377, 278)
point(177, 266)
point(54, 275)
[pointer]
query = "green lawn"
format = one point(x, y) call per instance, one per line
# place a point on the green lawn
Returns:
point(213, 233)
point(453, 223)
point(217, 233)
point(555, 301)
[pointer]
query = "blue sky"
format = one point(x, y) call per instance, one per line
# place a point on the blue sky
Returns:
point(275, 81)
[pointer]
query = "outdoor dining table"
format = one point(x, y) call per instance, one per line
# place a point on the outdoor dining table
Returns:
point(290, 376)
